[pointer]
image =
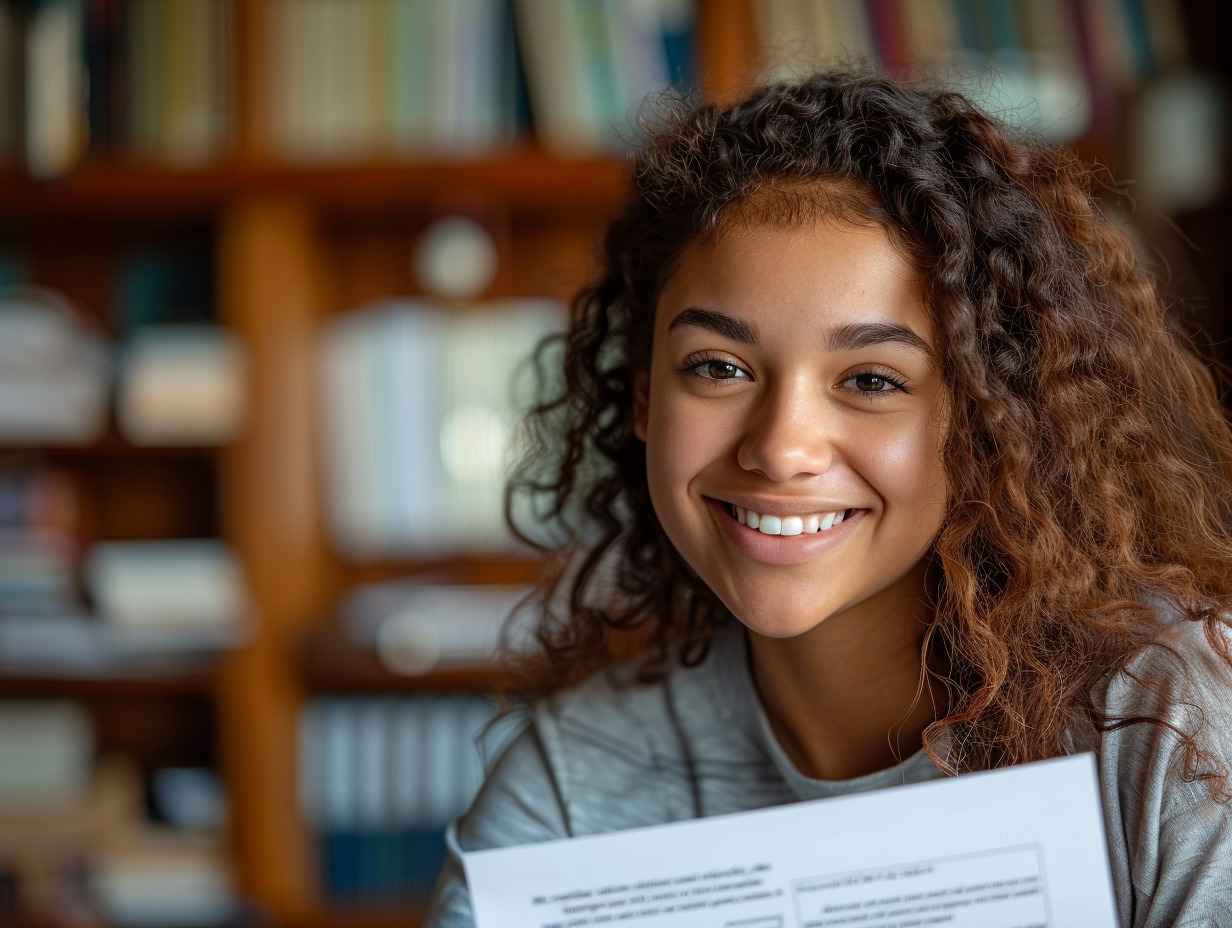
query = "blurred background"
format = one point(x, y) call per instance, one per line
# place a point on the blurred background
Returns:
point(267, 272)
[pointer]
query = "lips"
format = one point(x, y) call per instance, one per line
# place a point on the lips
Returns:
point(783, 524)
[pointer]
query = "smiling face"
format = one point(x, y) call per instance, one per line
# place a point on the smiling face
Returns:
point(793, 425)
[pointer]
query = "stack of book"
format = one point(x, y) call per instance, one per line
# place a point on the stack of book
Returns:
point(54, 371)
point(38, 522)
point(157, 607)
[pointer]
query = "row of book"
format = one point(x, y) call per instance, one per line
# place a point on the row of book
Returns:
point(458, 78)
point(155, 79)
point(152, 79)
point(421, 407)
point(380, 779)
point(1056, 66)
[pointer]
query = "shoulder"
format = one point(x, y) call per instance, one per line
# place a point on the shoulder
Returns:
point(619, 746)
point(1175, 693)
point(1180, 679)
point(1169, 730)
point(610, 753)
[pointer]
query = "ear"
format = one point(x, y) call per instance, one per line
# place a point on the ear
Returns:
point(641, 404)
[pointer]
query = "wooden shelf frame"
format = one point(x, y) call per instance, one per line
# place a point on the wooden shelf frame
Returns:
point(526, 179)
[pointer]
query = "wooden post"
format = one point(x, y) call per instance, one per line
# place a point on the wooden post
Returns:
point(272, 291)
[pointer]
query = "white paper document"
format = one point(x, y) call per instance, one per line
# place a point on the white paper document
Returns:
point(1017, 848)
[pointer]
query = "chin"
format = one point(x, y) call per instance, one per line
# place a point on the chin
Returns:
point(778, 623)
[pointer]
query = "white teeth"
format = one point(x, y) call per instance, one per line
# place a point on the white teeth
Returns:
point(788, 525)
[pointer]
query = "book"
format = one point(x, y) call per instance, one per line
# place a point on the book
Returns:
point(48, 748)
point(415, 626)
point(380, 778)
point(11, 84)
point(181, 385)
point(54, 370)
point(419, 408)
point(169, 595)
point(56, 122)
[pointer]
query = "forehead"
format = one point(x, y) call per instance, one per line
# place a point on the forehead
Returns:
point(824, 273)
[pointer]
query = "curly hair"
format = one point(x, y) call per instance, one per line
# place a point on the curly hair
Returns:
point(1088, 460)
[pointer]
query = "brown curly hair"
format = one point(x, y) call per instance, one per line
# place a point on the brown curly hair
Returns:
point(1089, 462)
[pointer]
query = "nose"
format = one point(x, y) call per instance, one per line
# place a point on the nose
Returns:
point(790, 433)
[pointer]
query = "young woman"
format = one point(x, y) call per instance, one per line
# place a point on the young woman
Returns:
point(877, 440)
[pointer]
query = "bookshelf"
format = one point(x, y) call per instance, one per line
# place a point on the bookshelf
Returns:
point(292, 243)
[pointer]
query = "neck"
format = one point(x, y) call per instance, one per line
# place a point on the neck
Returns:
point(849, 697)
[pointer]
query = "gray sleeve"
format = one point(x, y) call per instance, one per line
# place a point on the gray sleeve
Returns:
point(1170, 839)
point(518, 804)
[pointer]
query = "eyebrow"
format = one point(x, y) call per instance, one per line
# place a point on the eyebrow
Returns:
point(718, 323)
point(865, 334)
point(851, 337)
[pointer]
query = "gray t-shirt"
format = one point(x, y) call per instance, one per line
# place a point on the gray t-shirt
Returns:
point(614, 754)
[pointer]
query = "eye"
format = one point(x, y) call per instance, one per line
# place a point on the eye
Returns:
point(715, 369)
point(874, 381)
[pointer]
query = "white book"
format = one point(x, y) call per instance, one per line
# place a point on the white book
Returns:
point(55, 103)
point(350, 435)
point(164, 588)
point(182, 385)
point(416, 517)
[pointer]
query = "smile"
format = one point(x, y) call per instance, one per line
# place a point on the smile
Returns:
point(769, 524)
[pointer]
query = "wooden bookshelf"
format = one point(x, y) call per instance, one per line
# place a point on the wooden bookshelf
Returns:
point(293, 245)
point(525, 179)
point(199, 680)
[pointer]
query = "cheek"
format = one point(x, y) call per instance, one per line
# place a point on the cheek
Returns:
point(909, 469)
point(672, 446)
point(683, 439)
